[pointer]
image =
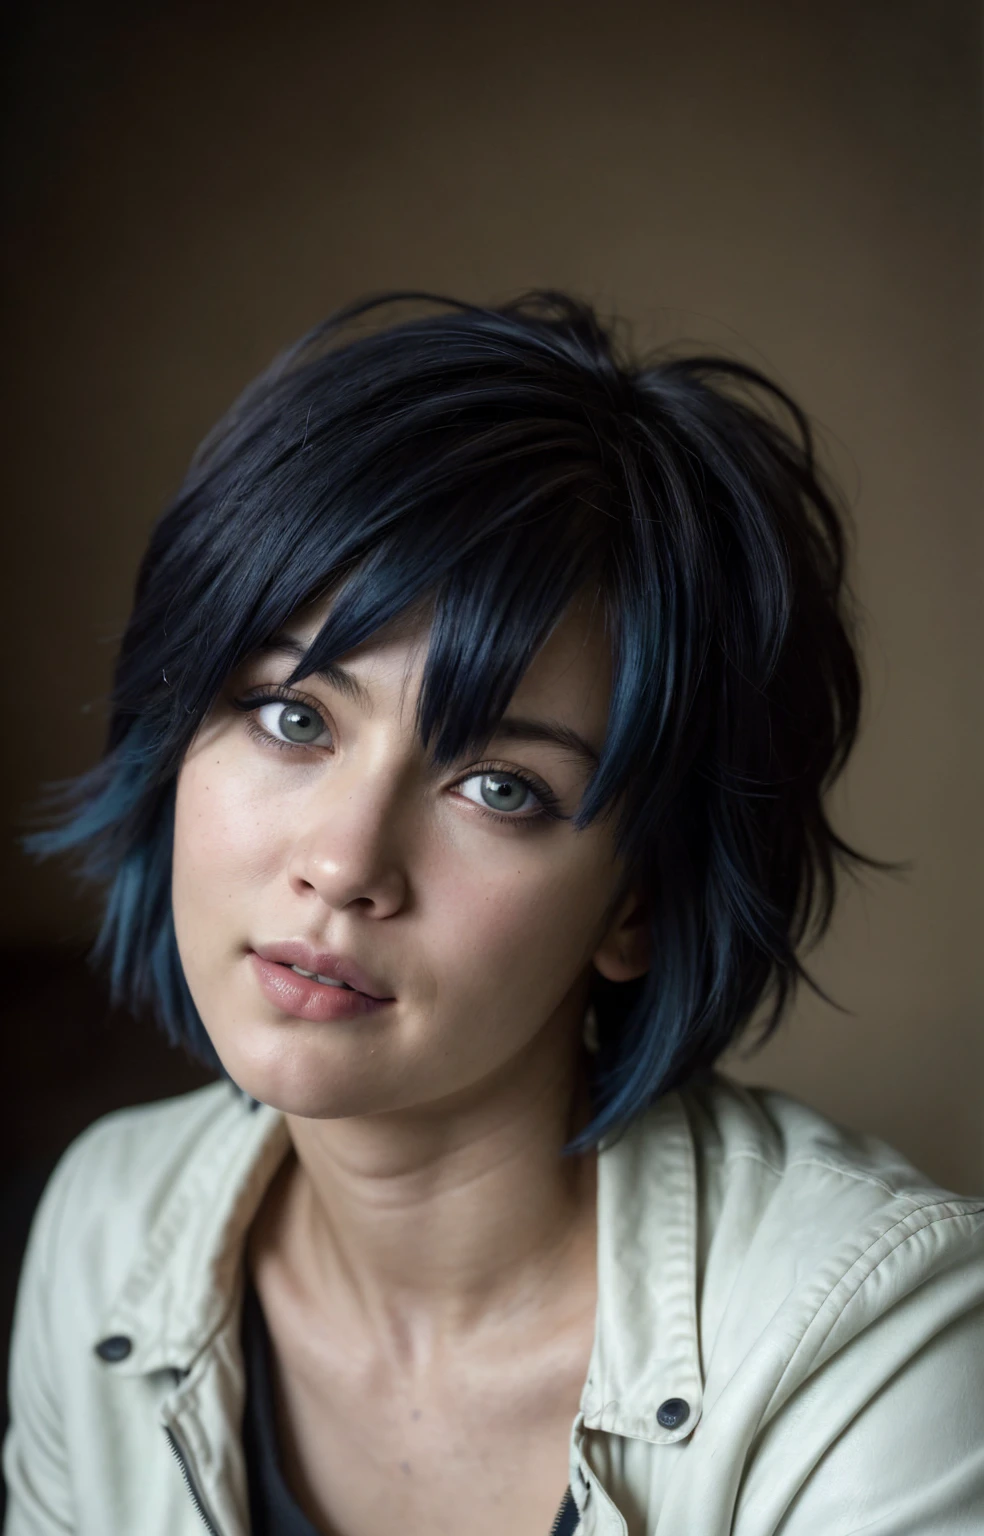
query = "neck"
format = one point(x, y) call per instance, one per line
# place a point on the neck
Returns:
point(435, 1220)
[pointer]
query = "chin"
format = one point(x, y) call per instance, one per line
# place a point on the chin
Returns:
point(296, 1068)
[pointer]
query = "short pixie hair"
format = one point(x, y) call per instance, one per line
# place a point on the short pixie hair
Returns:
point(492, 463)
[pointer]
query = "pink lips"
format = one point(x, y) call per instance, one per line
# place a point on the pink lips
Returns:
point(303, 997)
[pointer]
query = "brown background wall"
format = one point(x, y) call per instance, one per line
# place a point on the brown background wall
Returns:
point(798, 184)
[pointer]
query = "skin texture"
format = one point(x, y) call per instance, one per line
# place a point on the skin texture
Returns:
point(425, 1257)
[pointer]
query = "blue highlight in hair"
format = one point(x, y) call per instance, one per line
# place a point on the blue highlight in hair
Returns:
point(485, 466)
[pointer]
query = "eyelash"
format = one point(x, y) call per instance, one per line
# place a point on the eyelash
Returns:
point(549, 805)
point(252, 702)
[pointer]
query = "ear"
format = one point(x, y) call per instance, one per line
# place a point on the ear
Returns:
point(623, 953)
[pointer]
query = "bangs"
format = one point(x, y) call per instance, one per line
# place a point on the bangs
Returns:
point(493, 602)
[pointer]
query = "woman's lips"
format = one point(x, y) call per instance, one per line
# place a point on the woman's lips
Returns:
point(301, 997)
point(316, 962)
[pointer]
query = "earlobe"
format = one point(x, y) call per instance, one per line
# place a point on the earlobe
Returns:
point(623, 953)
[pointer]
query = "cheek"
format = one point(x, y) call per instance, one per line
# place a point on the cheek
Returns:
point(529, 926)
point(225, 841)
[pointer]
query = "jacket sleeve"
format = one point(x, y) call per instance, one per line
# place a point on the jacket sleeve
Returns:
point(35, 1462)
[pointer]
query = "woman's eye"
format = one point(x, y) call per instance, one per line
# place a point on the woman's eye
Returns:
point(499, 792)
point(299, 724)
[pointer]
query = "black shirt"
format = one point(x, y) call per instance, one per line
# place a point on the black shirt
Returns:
point(272, 1510)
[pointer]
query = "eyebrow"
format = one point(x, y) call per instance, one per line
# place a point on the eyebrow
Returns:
point(509, 728)
point(513, 728)
point(331, 673)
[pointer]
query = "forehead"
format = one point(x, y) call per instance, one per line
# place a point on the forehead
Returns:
point(569, 678)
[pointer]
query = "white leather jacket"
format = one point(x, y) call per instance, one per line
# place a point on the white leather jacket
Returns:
point(790, 1330)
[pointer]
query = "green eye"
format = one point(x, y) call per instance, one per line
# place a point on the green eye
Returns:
point(297, 723)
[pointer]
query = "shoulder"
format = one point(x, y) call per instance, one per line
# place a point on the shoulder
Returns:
point(111, 1183)
point(762, 1144)
point(814, 1300)
point(138, 1148)
point(802, 1220)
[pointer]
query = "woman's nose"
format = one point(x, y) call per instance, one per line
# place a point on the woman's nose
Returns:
point(350, 852)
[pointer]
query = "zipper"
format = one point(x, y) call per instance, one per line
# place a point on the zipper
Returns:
point(562, 1519)
point(196, 1497)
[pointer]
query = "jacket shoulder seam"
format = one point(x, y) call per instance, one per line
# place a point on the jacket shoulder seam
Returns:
point(925, 1199)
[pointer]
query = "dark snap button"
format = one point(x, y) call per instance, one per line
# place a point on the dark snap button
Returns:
point(116, 1347)
point(673, 1412)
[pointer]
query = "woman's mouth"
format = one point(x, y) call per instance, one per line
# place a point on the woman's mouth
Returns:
point(300, 993)
point(325, 981)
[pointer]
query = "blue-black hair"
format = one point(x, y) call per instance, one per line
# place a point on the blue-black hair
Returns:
point(493, 462)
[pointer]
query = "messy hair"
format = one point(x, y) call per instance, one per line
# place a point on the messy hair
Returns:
point(492, 463)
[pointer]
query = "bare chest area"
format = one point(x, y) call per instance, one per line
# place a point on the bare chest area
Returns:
point(476, 1439)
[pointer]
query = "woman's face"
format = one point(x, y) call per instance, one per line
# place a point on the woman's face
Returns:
point(453, 914)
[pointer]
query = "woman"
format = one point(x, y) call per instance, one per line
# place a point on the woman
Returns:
point(462, 803)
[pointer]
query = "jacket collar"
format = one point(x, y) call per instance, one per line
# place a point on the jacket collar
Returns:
point(646, 1351)
point(185, 1281)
